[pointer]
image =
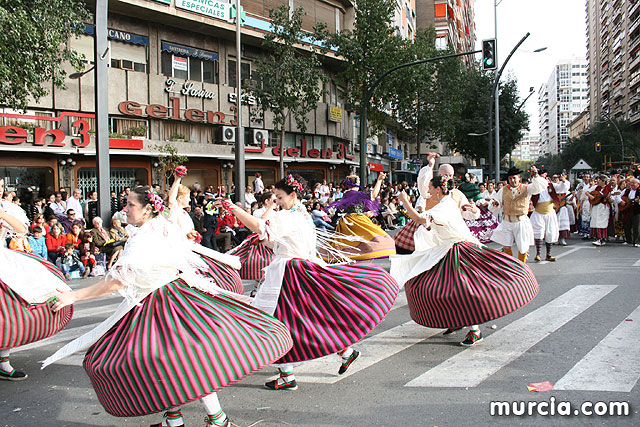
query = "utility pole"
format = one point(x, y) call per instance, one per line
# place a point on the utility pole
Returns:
point(239, 178)
point(101, 79)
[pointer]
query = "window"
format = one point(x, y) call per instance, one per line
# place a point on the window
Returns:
point(245, 72)
point(128, 56)
point(189, 67)
point(122, 126)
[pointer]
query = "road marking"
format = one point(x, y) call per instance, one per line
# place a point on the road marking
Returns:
point(637, 263)
point(94, 311)
point(568, 252)
point(474, 365)
point(66, 335)
point(612, 365)
point(373, 350)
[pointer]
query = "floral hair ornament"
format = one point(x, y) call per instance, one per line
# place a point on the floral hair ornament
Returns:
point(157, 205)
point(292, 182)
point(181, 171)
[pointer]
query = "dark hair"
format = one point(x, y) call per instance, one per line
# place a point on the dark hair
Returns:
point(36, 229)
point(445, 186)
point(265, 196)
point(284, 186)
point(142, 196)
point(68, 246)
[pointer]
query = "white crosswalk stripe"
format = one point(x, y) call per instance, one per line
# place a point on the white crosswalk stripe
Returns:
point(474, 365)
point(612, 365)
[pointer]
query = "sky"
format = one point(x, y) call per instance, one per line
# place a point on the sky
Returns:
point(558, 25)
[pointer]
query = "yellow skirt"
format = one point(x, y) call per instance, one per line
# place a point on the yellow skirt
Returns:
point(377, 244)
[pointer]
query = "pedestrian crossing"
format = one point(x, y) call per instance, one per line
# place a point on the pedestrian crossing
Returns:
point(610, 365)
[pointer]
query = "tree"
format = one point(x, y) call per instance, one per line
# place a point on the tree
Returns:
point(288, 80)
point(474, 116)
point(168, 160)
point(35, 40)
point(368, 50)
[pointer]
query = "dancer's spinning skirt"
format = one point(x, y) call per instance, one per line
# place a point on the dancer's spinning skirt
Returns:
point(179, 345)
point(23, 323)
point(330, 308)
point(482, 227)
point(254, 257)
point(404, 237)
point(375, 243)
point(225, 276)
point(469, 286)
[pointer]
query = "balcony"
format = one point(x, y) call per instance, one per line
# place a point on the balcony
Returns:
point(633, 79)
point(633, 43)
point(633, 7)
point(634, 24)
point(635, 61)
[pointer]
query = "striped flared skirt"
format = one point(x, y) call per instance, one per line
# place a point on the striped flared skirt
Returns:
point(23, 323)
point(225, 276)
point(404, 237)
point(178, 345)
point(469, 286)
point(254, 257)
point(330, 308)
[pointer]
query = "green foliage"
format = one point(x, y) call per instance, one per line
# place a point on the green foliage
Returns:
point(371, 48)
point(35, 40)
point(474, 118)
point(583, 147)
point(287, 80)
point(137, 131)
point(168, 160)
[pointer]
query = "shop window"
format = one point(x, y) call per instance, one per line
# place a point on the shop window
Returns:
point(128, 56)
point(245, 72)
point(28, 182)
point(189, 68)
point(84, 46)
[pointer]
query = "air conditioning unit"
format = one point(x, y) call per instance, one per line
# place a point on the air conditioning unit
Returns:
point(260, 135)
point(227, 134)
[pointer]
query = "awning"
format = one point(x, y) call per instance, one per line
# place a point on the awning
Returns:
point(122, 36)
point(189, 51)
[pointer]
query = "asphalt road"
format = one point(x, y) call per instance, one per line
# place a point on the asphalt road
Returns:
point(581, 333)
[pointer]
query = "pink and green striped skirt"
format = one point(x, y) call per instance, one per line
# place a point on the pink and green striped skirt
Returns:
point(469, 286)
point(254, 257)
point(223, 275)
point(330, 308)
point(178, 345)
point(23, 323)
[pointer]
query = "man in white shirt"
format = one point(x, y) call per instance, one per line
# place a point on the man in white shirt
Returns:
point(74, 202)
point(258, 185)
point(544, 219)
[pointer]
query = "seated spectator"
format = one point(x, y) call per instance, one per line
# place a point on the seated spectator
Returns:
point(224, 230)
point(103, 240)
point(38, 221)
point(20, 243)
point(70, 219)
point(75, 235)
point(389, 214)
point(122, 216)
point(117, 232)
point(55, 241)
point(87, 249)
point(320, 218)
point(70, 261)
point(51, 221)
point(37, 243)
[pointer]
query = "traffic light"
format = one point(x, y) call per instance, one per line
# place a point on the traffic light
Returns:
point(598, 147)
point(489, 61)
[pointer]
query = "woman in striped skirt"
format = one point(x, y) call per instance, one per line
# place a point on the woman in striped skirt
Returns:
point(221, 268)
point(176, 337)
point(327, 308)
point(458, 282)
point(27, 282)
point(254, 255)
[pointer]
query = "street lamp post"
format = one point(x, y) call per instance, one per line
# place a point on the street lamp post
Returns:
point(606, 116)
point(369, 93)
point(239, 178)
point(494, 96)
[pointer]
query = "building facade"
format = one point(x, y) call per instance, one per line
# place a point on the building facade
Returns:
point(528, 149)
point(560, 100)
point(613, 54)
point(453, 20)
point(172, 83)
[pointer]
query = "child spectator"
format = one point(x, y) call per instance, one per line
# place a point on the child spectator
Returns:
point(37, 243)
point(87, 250)
point(75, 236)
point(69, 261)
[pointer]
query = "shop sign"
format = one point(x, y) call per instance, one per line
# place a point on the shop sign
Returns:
point(335, 114)
point(302, 152)
point(164, 1)
point(189, 51)
point(14, 135)
point(375, 167)
point(212, 8)
point(180, 63)
point(188, 89)
point(157, 111)
point(246, 99)
point(122, 36)
point(394, 153)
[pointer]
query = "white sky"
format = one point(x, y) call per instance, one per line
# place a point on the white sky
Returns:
point(558, 25)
